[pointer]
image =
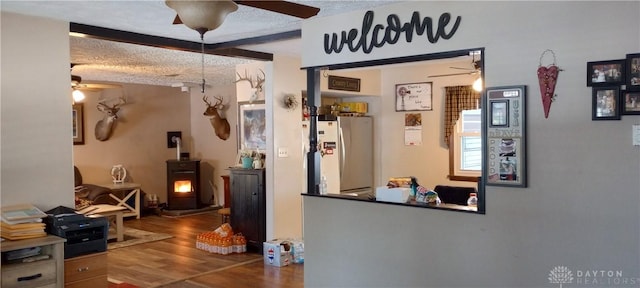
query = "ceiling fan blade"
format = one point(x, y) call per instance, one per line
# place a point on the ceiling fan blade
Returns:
point(462, 68)
point(283, 7)
point(100, 86)
point(87, 89)
point(94, 86)
point(76, 79)
point(177, 20)
point(453, 74)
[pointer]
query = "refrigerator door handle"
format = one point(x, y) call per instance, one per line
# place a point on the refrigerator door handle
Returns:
point(342, 151)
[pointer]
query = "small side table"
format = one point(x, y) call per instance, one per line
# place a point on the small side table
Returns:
point(109, 211)
point(134, 191)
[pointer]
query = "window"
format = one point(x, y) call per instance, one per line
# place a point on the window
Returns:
point(466, 147)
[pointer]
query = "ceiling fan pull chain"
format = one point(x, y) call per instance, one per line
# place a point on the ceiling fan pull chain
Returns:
point(202, 57)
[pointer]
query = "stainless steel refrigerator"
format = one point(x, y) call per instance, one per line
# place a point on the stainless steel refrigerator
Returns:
point(346, 149)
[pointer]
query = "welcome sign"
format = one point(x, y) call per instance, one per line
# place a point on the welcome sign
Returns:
point(377, 34)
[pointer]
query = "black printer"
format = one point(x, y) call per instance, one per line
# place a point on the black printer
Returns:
point(85, 235)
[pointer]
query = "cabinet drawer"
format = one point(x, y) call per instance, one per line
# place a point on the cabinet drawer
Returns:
point(85, 267)
point(95, 282)
point(26, 275)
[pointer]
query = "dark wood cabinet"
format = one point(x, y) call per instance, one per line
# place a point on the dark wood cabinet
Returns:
point(248, 206)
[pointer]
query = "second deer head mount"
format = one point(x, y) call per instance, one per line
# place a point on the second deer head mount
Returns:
point(104, 127)
point(220, 125)
point(256, 87)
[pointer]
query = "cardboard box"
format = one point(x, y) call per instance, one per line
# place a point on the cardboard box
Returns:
point(277, 252)
point(397, 195)
point(355, 107)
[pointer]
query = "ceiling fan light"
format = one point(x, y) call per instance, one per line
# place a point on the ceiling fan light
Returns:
point(202, 16)
point(77, 95)
point(477, 85)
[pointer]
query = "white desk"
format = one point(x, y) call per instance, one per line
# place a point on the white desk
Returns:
point(134, 191)
point(109, 211)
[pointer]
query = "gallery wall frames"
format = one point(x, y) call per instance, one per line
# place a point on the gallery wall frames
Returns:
point(615, 87)
point(605, 73)
point(630, 102)
point(505, 149)
point(633, 71)
point(605, 103)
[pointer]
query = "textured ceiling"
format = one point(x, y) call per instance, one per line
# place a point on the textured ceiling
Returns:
point(101, 60)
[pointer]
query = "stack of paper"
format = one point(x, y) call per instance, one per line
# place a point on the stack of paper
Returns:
point(22, 222)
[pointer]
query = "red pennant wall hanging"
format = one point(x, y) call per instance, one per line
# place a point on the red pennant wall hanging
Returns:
point(547, 77)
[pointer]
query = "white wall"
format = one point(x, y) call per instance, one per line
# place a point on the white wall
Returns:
point(283, 175)
point(287, 134)
point(36, 165)
point(580, 209)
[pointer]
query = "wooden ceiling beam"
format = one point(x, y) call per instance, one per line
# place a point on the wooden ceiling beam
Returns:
point(168, 43)
point(294, 34)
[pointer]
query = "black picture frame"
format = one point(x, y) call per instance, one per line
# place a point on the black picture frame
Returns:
point(605, 103)
point(77, 117)
point(633, 72)
point(499, 113)
point(630, 102)
point(606, 73)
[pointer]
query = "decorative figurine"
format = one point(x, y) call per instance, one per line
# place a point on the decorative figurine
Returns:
point(118, 174)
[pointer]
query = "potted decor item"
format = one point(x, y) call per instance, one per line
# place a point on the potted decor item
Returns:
point(245, 157)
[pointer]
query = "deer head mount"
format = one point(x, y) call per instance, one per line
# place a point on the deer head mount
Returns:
point(256, 87)
point(220, 125)
point(104, 127)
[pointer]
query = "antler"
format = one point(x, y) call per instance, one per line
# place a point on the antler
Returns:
point(219, 100)
point(204, 98)
point(121, 102)
point(245, 78)
point(260, 81)
point(101, 103)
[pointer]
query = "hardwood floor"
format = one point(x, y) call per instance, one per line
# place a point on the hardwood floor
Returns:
point(175, 262)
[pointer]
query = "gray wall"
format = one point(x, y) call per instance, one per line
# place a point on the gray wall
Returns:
point(581, 208)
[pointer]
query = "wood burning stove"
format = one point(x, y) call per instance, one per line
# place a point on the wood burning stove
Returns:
point(183, 184)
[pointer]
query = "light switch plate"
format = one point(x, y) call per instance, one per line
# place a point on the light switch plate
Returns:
point(283, 152)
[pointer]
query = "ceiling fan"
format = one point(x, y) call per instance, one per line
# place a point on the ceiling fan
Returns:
point(76, 83)
point(208, 15)
point(469, 71)
point(77, 86)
